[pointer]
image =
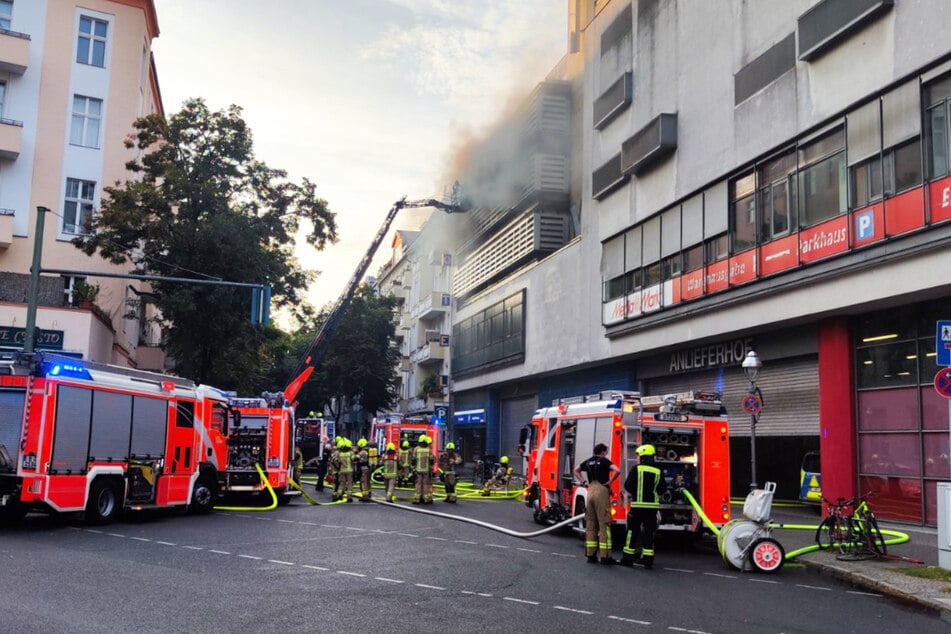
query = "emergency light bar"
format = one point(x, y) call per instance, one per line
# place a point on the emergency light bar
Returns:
point(73, 370)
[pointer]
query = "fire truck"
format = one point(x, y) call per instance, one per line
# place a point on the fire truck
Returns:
point(394, 428)
point(313, 435)
point(78, 436)
point(689, 431)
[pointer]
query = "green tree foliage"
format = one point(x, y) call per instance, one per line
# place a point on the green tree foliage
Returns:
point(203, 206)
point(360, 364)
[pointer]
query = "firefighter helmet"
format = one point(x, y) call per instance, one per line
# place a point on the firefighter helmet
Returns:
point(390, 446)
point(339, 441)
point(451, 446)
point(424, 439)
point(646, 450)
point(362, 442)
point(504, 460)
point(405, 444)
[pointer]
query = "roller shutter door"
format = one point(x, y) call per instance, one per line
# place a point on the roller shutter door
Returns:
point(516, 413)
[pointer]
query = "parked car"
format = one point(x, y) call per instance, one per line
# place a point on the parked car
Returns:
point(810, 479)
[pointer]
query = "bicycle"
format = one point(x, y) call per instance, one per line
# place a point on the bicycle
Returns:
point(834, 529)
point(852, 528)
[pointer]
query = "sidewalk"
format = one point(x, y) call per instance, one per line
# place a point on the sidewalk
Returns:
point(875, 575)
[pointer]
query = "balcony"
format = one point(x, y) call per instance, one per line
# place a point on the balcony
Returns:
point(404, 364)
point(406, 321)
point(429, 354)
point(424, 405)
point(433, 305)
point(14, 52)
point(11, 137)
point(6, 228)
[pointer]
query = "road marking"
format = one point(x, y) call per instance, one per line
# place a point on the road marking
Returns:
point(115, 534)
point(425, 585)
point(802, 585)
point(309, 523)
point(764, 581)
point(316, 567)
point(388, 580)
point(93, 530)
point(520, 600)
point(166, 543)
point(463, 541)
point(219, 552)
point(680, 570)
point(354, 528)
point(864, 594)
point(683, 629)
point(352, 574)
point(497, 546)
point(330, 526)
point(562, 555)
point(283, 563)
point(484, 594)
point(561, 607)
point(715, 574)
point(406, 535)
point(438, 539)
point(140, 539)
point(528, 550)
point(193, 547)
point(251, 557)
point(621, 618)
point(287, 521)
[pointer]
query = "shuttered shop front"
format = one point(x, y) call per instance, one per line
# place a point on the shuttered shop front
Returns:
point(516, 414)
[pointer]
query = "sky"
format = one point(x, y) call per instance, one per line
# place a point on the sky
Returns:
point(369, 99)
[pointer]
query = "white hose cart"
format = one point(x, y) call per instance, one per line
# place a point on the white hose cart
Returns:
point(747, 544)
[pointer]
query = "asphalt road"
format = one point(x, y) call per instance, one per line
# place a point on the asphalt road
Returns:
point(367, 567)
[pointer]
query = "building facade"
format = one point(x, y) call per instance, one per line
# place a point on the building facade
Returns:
point(73, 79)
point(769, 176)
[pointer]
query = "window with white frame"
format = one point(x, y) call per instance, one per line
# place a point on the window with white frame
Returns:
point(77, 208)
point(6, 14)
point(87, 115)
point(70, 285)
point(91, 47)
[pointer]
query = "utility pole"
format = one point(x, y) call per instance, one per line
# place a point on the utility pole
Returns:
point(29, 335)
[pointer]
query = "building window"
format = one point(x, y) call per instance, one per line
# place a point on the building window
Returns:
point(3, 96)
point(716, 249)
point(743, 213)
point(777, 196)
point(91, 48)
point(902, 167)
point(6, 14)
point(77, 208)
point(938, 96)
point(693, 258)
point(867, 182)
point(822, 182)
point(87, 115)
point(672, 266)
point(70, 285)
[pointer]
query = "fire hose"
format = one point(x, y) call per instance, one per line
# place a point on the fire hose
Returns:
point(270, 490)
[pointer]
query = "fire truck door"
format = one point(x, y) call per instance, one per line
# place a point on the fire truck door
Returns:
point(181, 449)
point(566, 452)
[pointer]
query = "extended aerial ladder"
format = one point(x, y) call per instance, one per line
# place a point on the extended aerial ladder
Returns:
point(318, 348)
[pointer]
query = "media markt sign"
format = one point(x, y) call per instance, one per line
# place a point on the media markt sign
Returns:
point(11, 337)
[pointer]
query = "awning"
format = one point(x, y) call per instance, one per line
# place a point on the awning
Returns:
point(469, 417)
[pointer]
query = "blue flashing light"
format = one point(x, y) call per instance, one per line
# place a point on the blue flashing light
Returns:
point(73, 370)
point(617, 404)
point(436, 421)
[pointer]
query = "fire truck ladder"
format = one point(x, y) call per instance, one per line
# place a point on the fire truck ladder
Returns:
point(318, 348)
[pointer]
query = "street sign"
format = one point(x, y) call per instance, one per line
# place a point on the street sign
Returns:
point(943, 343)
point(942, 382)
point(441, 412)
point(752, 404)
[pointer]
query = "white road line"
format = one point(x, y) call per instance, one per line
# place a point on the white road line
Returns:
point(566, 609)
point(251, 557)
point(680, 570)
point(166, 543)
point(683, 629)
point(352, 574)
point(520, 600)
point(193, 548)
point(93, 530)
point(354, 528)
point(467, 592)
point(621, 618)
point(388, 580)
point(406, 535)
point(426, 585)
point(437, 539)
point(561, 555)
point(219, 552)
point(283, 563)
point(464, 541)
point(330, 526)
point(497, 546)
point(315, 567)
point(864, 594)
point(802, 585)
point(287, 521)
point(484, 594)
point(141, 539)
point(764, 581)
point(115, 534)
point(309, 523)
point(716, 574)
point(528, 550)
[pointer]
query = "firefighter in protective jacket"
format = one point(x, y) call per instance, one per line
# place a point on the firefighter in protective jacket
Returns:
point(423, 461)
point(643, 487)
point(390, 471)
point(405, 463)
point(345, 470)
point(449, 459)
point(362, 466)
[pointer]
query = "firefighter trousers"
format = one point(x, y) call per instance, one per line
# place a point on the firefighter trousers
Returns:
point(597, 518)
point(424, 487)
point(641, 523)
point(449, 478)
point(365, 489)
point(391, 489)
point(346, 485)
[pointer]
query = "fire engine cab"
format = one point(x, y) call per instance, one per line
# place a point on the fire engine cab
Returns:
point(689, 431)
point(394, 428)
point(78, 436)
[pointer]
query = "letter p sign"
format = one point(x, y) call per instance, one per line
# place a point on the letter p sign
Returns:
point(865, 225)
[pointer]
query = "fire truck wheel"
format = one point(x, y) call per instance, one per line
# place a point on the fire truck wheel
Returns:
point(767, 555)
point(203, 496)
point(12, 513)
point(283, 499)
point(579, 510)
point(105, 502)
point(537, 511)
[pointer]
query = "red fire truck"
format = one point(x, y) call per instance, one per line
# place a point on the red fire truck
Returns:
point(77, 436)
point(394, 428)
point(690, 434)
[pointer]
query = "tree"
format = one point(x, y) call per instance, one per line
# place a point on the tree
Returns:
point(203, 206)
point(360, 363)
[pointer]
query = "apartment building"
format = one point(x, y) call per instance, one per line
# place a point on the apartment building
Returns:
point(73, 79)
point(770, 176)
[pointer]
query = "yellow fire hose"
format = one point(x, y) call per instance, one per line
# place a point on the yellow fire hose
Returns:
point(896, 536)
point(270, 490)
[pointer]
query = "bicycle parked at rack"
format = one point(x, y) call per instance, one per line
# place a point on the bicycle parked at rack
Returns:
point(851, 527)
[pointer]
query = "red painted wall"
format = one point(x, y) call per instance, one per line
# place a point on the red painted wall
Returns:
point(837, 435)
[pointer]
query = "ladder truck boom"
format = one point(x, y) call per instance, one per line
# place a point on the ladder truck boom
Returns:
point(318, 347)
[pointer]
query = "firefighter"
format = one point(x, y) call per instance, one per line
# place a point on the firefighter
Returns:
point(333, 468)
point(601, 474)
point(362, 467)
point(449, 459)
point(643, 488)
point(390, 471)
point(345, 470)
point(500, 478)
point(423, 463)
point(404, 462)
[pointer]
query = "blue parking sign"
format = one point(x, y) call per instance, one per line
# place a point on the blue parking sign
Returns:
point(943, 343)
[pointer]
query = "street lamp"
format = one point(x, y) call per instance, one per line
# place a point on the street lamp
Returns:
point(753, 404)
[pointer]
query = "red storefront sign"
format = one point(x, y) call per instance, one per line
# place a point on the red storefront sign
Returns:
point(717, 276)
point(743, 267)
point(941, 199)
point(821, 241)
point(905, 212)
point(691, 284)
point(779, 255)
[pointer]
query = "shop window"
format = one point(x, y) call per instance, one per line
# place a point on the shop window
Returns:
point(891, 325)
point(615, 288)
point(888, 410)
point(693, 258)
point(934, 407)
point(777, 196)
point(936, 459)
point(887, 365)
point(903, 167)
point(716, 249)
point(895, 498)
point(889, 454)
point(822, 180)
point(867, 182)
point(743, 213)
point(652, 274)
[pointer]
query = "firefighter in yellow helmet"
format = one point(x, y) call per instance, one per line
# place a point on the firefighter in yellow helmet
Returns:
point(404, 462)
point(448, 460)
point(599, 473)
point(345, 470)
point(390, 471)
point(333, 464)
point(500, 477)
point(362, 467)
point(424, 463)
point(643, 488)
